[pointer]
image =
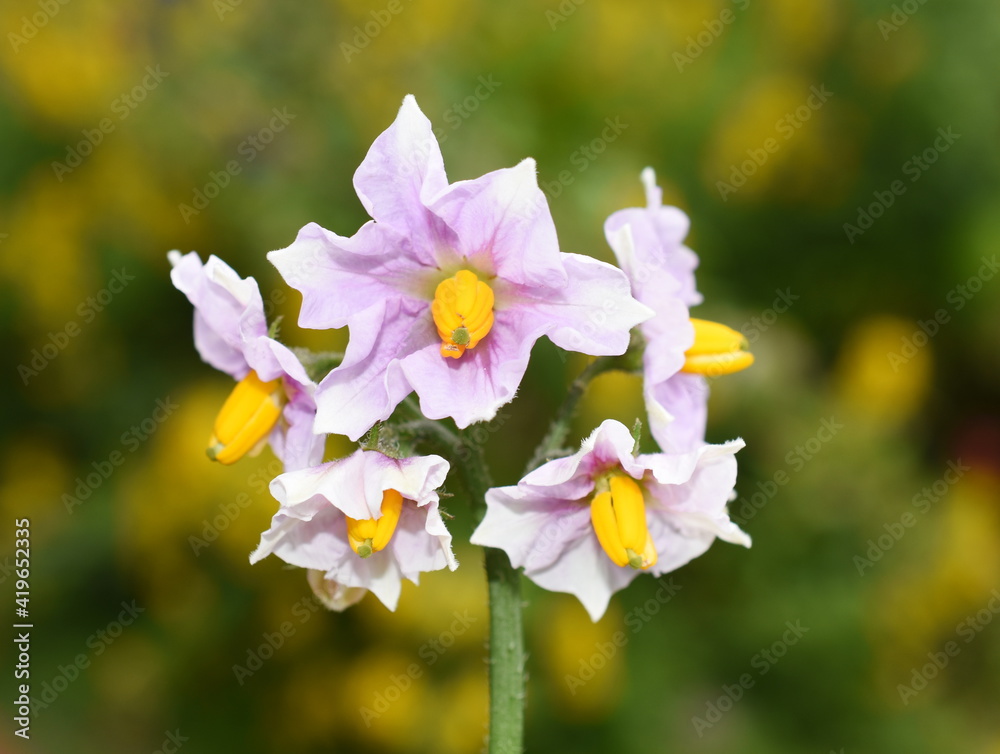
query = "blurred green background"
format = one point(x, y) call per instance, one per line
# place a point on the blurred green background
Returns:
point(144, 105)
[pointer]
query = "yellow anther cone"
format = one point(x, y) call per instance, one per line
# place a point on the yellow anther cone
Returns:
point(602, 516)
point(247, 417)
point(368, 535)
point(717, 350)
point(463, 312)
point(619, 518)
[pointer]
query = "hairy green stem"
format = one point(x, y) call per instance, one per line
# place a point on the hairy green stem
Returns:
point(506, 653)
point(553, 441)
point(506, 642)
point(506, 625)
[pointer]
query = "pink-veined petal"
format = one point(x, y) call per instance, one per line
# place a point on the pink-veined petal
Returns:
point(341, 277)
point(370, 381)
point(316, 542)
point(698, 499)
point(586, 572)
point(295, 443)
point(503, 226)
point(678, 411)
point(474, 387)
point(403, 172)
point(593, 313)
point(380, 574)
point(659, 234)
point(421, 542)
point(532, 527)
point(224, 305)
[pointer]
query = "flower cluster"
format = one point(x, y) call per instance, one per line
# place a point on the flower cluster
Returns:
point(445, 292)
point(273, 400)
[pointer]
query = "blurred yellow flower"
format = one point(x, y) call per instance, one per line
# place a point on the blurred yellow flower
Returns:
point(583, 662)
point(70, 68)
point(171, 493)
point(384, 693)
point(806, 33)
point(448, 609)
point(33, 470)
point(779, 138)
point(924, 601)
point(883, 372)
point(463, 713)
point(51, 271)
point(612, 395)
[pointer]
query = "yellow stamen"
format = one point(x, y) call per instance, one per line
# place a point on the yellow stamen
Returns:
point(369, 535)
point(619, 518)
point(463, 312)
point(602, 515)
point(248, 415)
point(717, 350)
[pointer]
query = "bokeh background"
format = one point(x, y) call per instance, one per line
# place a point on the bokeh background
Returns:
point(100, 369)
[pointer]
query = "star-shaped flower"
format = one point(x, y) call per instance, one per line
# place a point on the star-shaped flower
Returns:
point(365, 521)
point(447, 289)
point(273, 399)
point(680, 352)
point(588, 524)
